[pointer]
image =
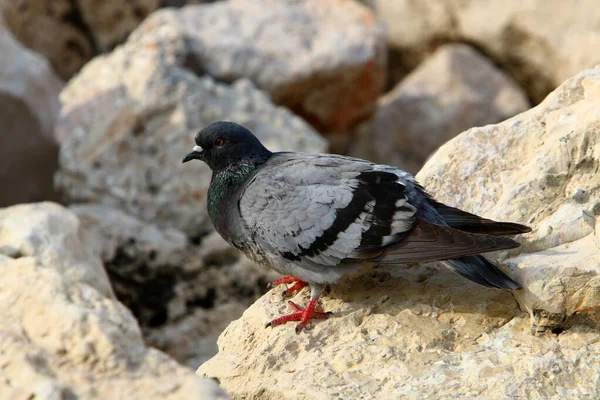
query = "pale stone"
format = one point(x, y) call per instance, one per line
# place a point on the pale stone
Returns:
point(63, 334)
point(183, 294)
point(562, 280)
point(323, 60)
point(29, 108)
point(144, 241)
point(48, 27)
point(70, 32)
point(453, 90)
point(28, 77)
point(417, 333)
point(110, 21)
point(539, 42)
point(57, 239)
point(538, 168)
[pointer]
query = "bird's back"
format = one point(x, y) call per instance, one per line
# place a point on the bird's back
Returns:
point(319, 213)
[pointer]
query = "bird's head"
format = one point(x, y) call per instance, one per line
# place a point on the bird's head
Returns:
point(223, 144)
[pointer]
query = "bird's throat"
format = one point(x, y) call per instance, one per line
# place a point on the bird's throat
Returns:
point(222, 188)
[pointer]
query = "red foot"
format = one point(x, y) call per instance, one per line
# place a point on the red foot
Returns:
point(302, 315)
point(297, 285)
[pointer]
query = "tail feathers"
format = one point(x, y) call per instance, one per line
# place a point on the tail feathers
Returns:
point(467, 222)
point(429, 242)
point(478, 269)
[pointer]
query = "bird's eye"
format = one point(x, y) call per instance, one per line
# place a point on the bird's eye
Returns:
point(219, 142)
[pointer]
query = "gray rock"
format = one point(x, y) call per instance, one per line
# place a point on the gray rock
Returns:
point(27, 76)
point(192, 339)
point(538, 168)
point(50, 233)
point(63, 333)
point(405, 335)
point(28, 110)
point(48, 27)
point(129, 117)
point(135, 239)
point(71, 32)
point(182, 293)
point(540, 43)
point(453, 90)
point(110, 21)
point(323, 60)
point(181, 3)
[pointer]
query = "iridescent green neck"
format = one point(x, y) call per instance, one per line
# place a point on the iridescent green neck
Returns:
point(224, 184)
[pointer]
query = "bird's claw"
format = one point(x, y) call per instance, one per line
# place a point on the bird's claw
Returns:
point(297, 285)
point(282, 280)
point(304, 315)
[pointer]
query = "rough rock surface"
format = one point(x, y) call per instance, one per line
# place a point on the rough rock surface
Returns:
point(181, 3)
point(541, 43)
point(71, 32)
point(453, 90)
point(141, 259)
point(63, 334)
point(129, 118)
point(182, 293)
point(29, 107)
point(323, 60)
point(418, 332)
point(51, 28)
point(28, 77)
point(410, 334)
point(540, 168)
point(110, 21)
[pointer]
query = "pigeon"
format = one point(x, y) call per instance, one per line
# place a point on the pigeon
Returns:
point(320, 218)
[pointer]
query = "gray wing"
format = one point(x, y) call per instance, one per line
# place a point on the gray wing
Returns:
point(321, 210)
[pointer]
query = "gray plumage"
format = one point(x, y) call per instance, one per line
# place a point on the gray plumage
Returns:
point(322, 217)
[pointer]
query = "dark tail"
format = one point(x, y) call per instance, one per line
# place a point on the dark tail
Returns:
point(467, 222)
point(478, 269)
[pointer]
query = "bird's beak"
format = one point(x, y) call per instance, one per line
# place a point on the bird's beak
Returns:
point(195, 154)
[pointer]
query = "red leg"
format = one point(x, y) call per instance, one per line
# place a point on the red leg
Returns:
point(297, 285)
point(282, 280)
point(294, 288)
point(302, 315)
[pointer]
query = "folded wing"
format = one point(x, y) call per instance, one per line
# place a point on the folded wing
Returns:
point(322, 210)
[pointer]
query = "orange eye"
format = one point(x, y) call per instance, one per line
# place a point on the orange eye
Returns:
point(219, 142)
